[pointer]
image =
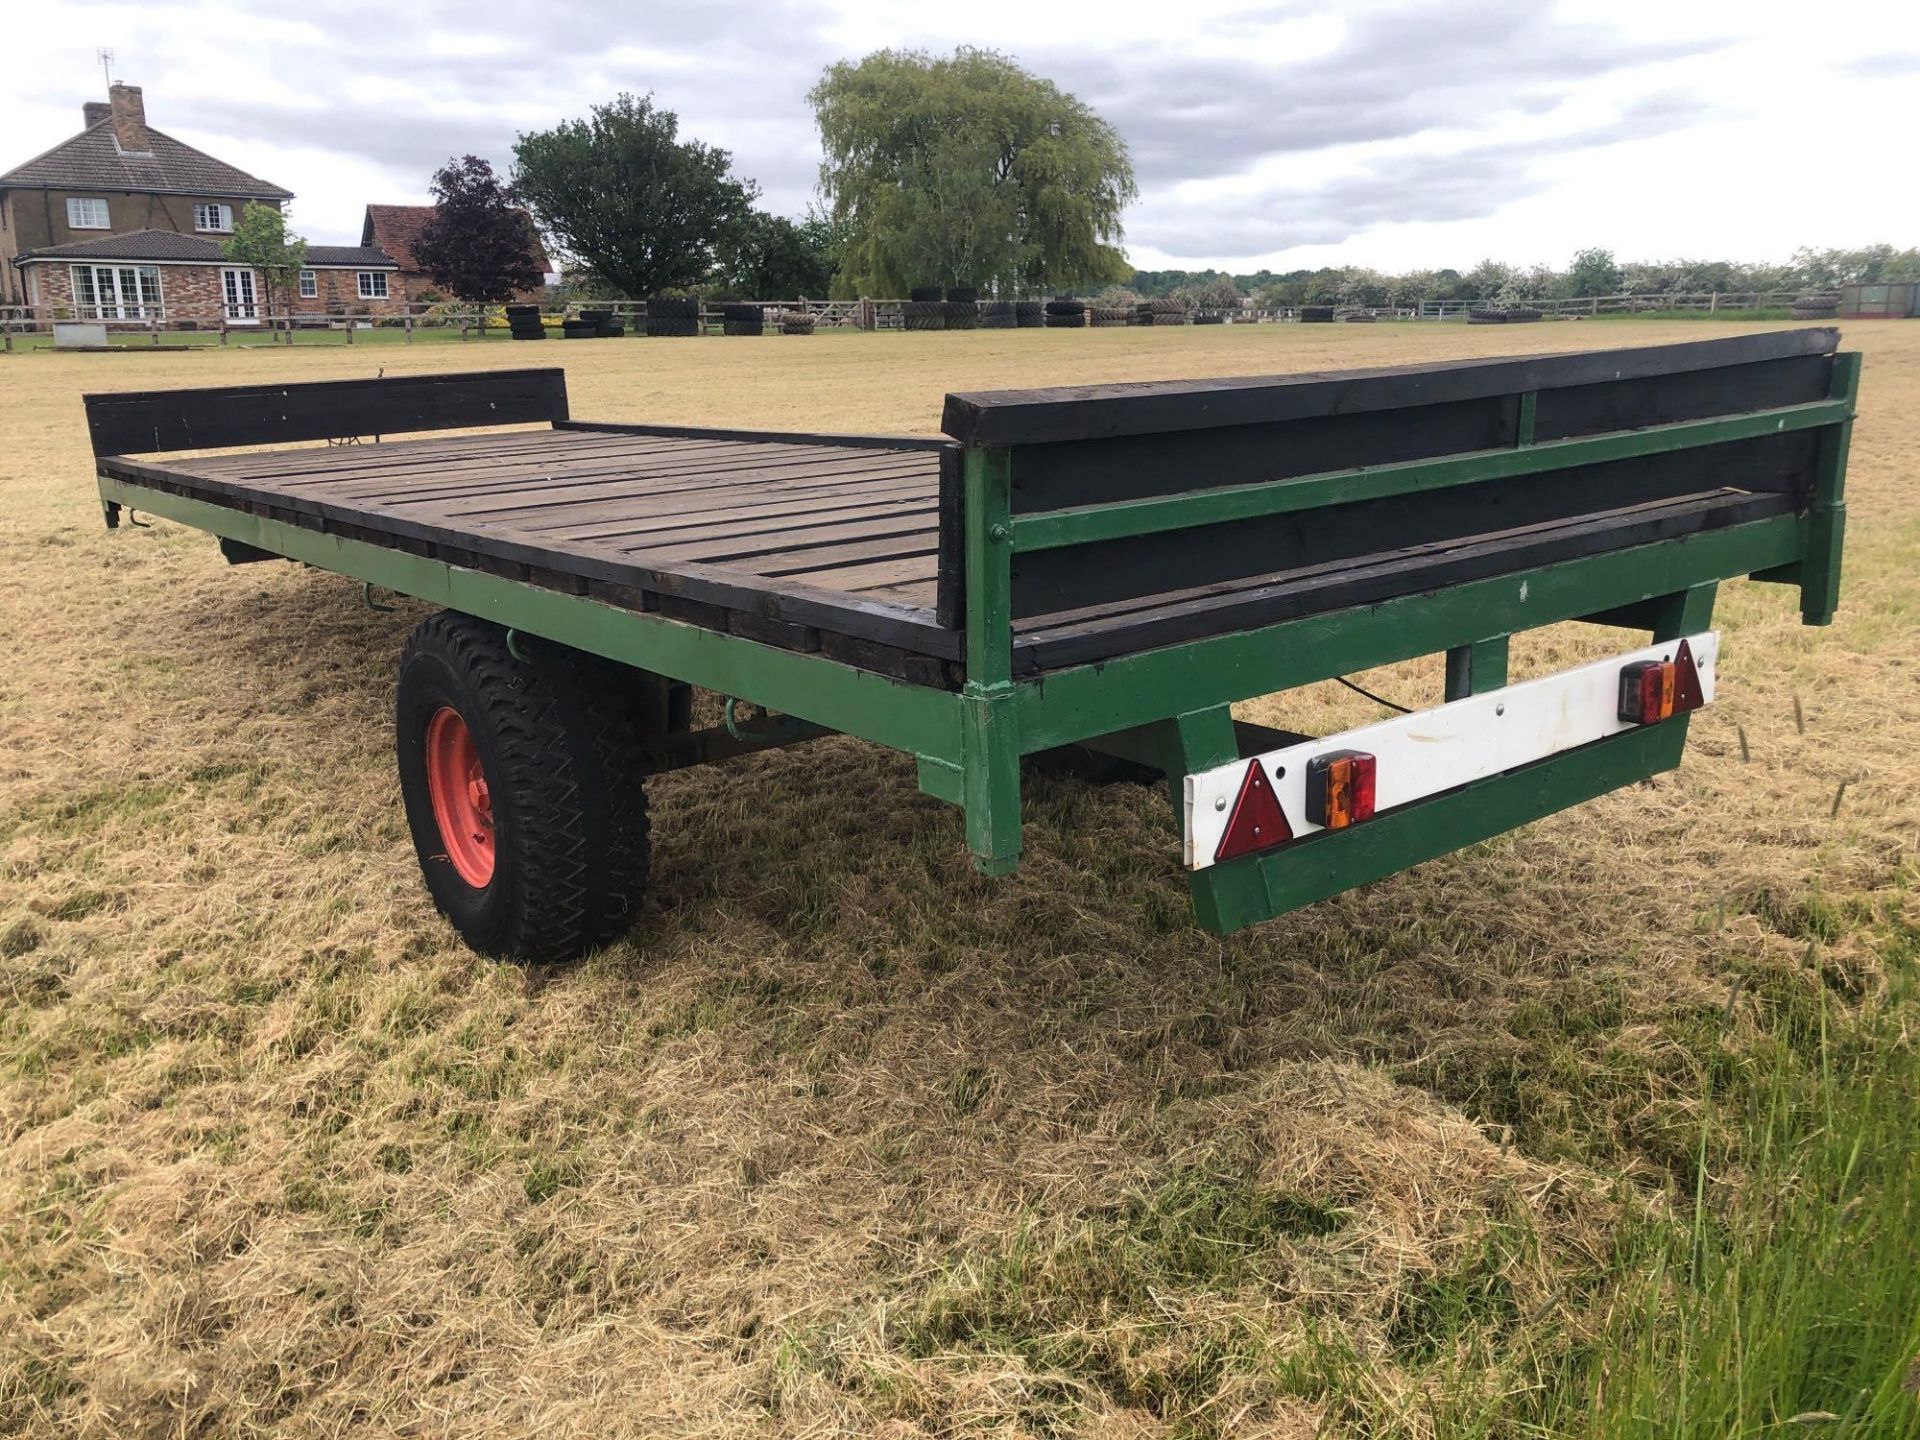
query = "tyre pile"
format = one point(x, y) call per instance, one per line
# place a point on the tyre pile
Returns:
point(1316, 314)
point(742, 320)
point(963, 307)
point(1103, 317)
point(1209, 319)
point(1816, 307)
point(1029, 314)
point(1511, 315)
point(592, 325)
point(1160, 312)
point(998, 315)
point(673, 315)
point(1066, 314)
point(523, 322)
point(795, 322)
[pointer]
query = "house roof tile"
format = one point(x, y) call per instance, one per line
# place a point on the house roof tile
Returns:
point(153, 245)
point(93, 160)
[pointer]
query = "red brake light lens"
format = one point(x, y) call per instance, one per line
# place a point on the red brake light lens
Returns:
point(1340, 788)
point(1652, 690)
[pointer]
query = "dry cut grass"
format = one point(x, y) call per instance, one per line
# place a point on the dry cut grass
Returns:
point(846, 1139)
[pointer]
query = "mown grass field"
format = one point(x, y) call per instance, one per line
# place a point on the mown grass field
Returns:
point(1604, 1128)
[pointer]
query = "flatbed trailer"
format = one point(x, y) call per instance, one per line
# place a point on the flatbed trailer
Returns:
point(1092, 574)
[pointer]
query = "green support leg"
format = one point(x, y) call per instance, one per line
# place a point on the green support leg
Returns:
point(1476, 668)
point(990, 716)
point(1200, 740)
point(1827, 507)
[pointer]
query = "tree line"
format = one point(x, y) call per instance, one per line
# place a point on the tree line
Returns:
point(1591, 272)
point(937, 170)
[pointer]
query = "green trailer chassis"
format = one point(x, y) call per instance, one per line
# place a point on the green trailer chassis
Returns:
point(1170, 706)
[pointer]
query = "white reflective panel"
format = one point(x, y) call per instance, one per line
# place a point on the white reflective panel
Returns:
point(1434, 750)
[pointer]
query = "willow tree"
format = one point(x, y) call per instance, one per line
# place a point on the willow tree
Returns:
point(968, 170)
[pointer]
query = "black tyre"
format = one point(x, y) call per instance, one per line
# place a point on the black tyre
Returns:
point(961, 314)
point(674, 307)
point(523, 790)
point(1029, 314)
point(962, 294)
point(671, 325)
point(796, 322)
point(1316, 314)
point(742, 327)
point(924, 315)
point(925, 294)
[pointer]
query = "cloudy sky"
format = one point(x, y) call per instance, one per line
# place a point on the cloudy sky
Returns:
point(1395, 134)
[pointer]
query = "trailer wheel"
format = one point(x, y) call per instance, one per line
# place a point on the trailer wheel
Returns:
point(523, 790)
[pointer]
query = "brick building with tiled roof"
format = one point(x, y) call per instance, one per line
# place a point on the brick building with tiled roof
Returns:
point(394, 229)
point(118, 176)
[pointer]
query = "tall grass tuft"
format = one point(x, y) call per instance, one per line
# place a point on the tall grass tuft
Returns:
point(1795, 1307)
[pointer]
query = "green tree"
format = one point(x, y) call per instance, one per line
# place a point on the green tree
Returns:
point(477, 243)
point(774, 258)
point(968, 170)
point(621, 193)
point(1593, 272)
point(1215, 292)
point(261, 240)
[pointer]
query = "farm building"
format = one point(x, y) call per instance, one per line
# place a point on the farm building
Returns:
point(162, 275)
point(118, 177)
point(395, 229)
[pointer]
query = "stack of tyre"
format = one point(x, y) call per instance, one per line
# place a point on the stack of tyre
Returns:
point(999, 315)
point(1066, 314)
point(963, 307)
point(1316, 314)
point(926, 308)
point(1160, 312)
point(796, 322)
point(586, 325)
point(1209, 317)
point(523, 322)
point(1483, 315)
point(1029, 314)
point(742, 320)
point(1816, 307)
point(673, 315)
point(1106, 317)
point(1520, 315)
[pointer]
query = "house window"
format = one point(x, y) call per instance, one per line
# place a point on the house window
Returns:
point(87, 214)
point(116, 292)
point(236, 291)
point(309, 285)
point(213, 217)
point(373, 285)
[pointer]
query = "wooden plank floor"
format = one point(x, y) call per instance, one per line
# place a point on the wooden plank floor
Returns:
point(836, 518)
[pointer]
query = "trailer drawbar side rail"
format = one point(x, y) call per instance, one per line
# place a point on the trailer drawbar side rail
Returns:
point(1099, 570)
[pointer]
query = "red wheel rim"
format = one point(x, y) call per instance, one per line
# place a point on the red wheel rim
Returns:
point(462, 805)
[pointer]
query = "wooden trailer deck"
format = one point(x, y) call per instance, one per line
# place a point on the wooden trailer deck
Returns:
point(1128, 517)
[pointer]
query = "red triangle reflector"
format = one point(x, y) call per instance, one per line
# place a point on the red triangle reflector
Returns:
point(1257, 822)
point(1686, 681)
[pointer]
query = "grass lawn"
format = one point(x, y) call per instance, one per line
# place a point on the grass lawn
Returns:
point(1604, 1128)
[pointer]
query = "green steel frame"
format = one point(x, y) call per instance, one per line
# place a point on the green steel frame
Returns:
point(1171, 705)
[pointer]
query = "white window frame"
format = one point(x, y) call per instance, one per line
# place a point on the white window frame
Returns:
point(373, 285)
point(309, 285)
point(117, 292)
point(238, 310)
point(75, 211)
point(222, 216)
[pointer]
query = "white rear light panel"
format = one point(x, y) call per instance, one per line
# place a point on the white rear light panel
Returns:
point(1425, 753)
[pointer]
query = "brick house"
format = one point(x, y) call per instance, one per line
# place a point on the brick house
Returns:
point(174, 278)
point(118, 177)
point(395, 228)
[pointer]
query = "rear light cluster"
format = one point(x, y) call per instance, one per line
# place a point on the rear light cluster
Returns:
point(1653, 690)
point(1340, 793)
point(1340, 788)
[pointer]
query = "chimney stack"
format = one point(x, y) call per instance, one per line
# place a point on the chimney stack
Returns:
point(129, 118)
point(96, 111)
